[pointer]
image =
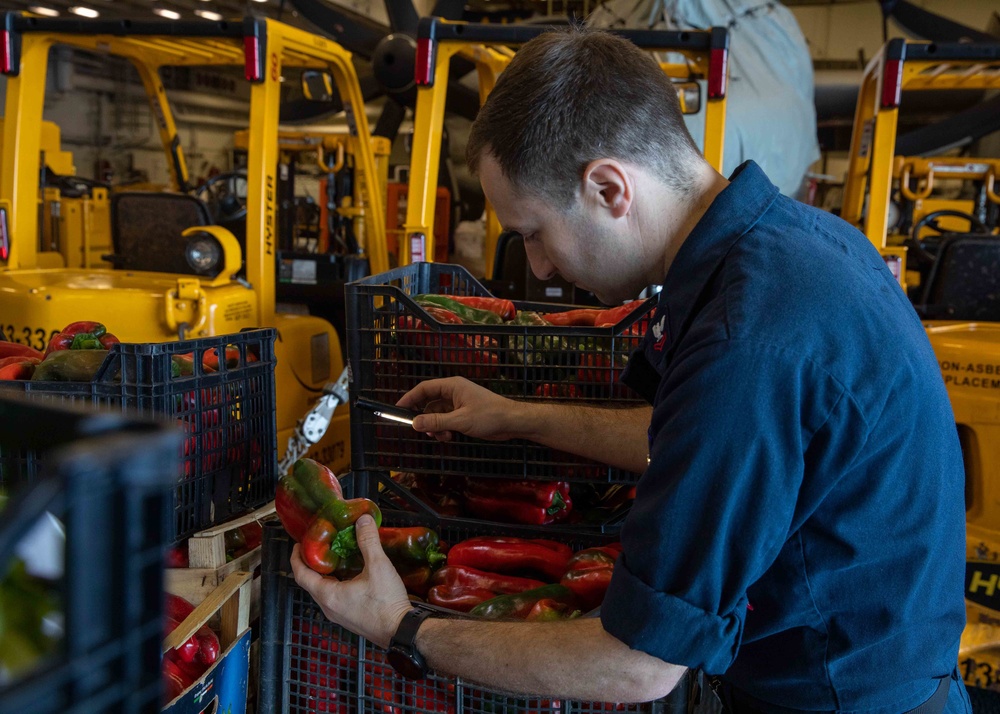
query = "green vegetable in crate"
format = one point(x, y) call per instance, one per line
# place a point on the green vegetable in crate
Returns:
point(25, 603)
point(312, 509)
point(536, 349)
point(70, 365)
point(82, 336)
point(75, 353)
point(520, 605)
point(469, 315)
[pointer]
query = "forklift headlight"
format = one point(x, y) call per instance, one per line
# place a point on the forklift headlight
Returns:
point(204, 254)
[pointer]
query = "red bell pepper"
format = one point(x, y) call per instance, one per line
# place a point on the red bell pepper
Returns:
point(450, 347)
point(520, 605)
point(17, 367)
point(176, 608)
point(322, 663)
point(512, 555)
point(175, 681)
point(588, 574)
point(177, 556)
point(557, 390)
point(429, 696)
point(384, 686)
point(197, 653)
point(82, 336)
point(14, 349)
point(529, 502)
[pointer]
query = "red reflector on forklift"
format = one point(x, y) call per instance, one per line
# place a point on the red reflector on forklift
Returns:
point(892, 83)
point(717, 62)
point(423, 71)
point(4, 235)
point(418, 248)
point(6, 52)
point(251, 59)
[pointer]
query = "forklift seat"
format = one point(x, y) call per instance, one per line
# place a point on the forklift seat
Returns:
point(146, 229)
point(964, 282)
point(511, 268)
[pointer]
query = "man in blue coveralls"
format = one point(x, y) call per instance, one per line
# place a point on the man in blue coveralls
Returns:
point(798, 532)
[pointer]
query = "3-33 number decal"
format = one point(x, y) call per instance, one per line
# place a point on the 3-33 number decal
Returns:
point(35, 337)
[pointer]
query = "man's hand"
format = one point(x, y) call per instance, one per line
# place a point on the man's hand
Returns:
point(370, 605)
point(457, 405)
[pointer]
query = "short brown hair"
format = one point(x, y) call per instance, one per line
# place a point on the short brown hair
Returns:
point(571, 96)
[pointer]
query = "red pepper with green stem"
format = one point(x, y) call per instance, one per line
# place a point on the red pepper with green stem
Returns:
point(528, 502)
point(302, 492)
point(469, 315)
point(310, 504)
point(82, 336)
point(504, 309)
point(512, 555)
point(331, 536)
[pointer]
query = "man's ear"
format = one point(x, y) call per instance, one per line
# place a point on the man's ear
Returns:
point(609, 185)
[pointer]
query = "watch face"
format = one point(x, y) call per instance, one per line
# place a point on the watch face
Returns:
point(406, 663)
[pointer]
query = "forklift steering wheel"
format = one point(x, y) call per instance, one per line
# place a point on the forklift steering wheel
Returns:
point(226, 203)
point(918, 247)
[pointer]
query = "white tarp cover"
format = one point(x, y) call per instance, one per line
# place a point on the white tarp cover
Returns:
point(770, 114)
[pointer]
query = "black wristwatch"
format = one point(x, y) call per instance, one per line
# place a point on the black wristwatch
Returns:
point(403, 654)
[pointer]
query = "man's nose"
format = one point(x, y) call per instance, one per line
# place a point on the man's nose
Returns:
point(541, 266)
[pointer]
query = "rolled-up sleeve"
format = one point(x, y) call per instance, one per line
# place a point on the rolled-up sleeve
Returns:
point(729, 434)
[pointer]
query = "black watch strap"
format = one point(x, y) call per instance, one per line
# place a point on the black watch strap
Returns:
point(403, 654)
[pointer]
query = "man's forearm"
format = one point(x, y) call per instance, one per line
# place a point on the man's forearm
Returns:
point(617, 437)
point(575, 659)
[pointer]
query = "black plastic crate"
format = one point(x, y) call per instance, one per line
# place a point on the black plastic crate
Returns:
point(107, 478)
point(228, 458)
point(396, 497)
point(309, 664)
point(394, 344)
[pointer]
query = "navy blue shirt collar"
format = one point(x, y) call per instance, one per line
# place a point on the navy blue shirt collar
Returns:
point(733, 212)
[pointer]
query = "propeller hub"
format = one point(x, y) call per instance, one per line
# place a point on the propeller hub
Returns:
point(394, 62)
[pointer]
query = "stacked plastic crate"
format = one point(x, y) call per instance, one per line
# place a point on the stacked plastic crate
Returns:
point(394, 343)
point(107, 480)
point(218, 390)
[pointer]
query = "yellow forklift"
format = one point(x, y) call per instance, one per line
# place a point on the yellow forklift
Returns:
point(957, 296)
point(172, 271)
point(695, 61)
